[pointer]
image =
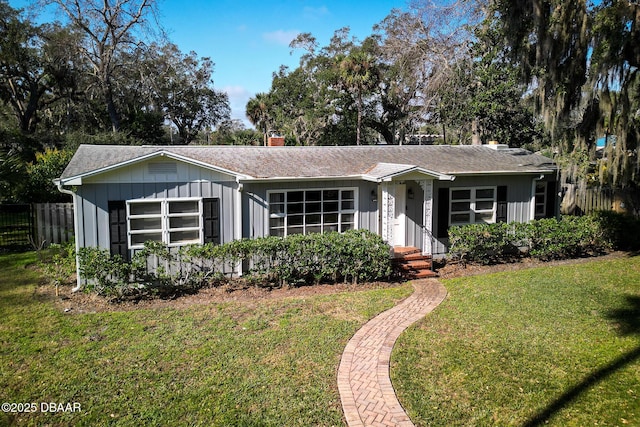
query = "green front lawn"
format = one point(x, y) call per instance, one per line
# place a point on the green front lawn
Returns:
point(553, 343)
point(268, 364)
point(558, 344)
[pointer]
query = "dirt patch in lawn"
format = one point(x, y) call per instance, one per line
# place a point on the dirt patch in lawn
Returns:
point(453, 269)
point(79, 302)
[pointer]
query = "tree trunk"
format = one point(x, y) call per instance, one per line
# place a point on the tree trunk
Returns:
point(475, 132)
point(359, 119)
point(112, 110)
point(444, 133)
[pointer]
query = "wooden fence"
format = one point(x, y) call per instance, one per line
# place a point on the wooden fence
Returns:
point(53, 222)
point(576, 202)
point(33, 226)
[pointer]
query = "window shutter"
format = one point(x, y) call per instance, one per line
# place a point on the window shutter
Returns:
point(443, 213)
point(118, 229)
point(211, 220)
point(502, 206)
point(550, 208)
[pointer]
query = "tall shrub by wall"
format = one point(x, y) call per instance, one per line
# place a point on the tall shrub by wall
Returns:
point(354, 256)
point(544, 239)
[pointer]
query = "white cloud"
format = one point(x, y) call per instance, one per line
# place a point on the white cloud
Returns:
point(282, 37)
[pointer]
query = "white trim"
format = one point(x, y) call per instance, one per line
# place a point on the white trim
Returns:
point(357, 177)
point(399, 219)
point(427, 215)
point(77, 179)
point(388, 212)
point(506, 173)
point(534, 202)
point(473, 199)
point(285, 215)
point(408, 169)
point(164, 216)
point(237, 220)
point(280, 179)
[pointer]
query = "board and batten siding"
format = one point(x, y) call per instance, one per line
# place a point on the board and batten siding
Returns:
point(159, 170)
point(139, 182)
point(519, 195)
point(255, 205)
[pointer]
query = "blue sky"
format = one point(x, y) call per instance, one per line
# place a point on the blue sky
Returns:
point(248, 40)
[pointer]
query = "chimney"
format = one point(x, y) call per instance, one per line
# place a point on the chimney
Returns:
point(496, 146)
point(275, 141)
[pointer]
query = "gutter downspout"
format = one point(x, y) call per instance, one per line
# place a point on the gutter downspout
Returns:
point(63, 190)
point(237, 219)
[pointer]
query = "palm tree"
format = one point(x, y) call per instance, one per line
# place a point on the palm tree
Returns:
point(257, 111)
point(357, 74)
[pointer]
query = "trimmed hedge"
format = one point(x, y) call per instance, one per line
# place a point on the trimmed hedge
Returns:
point(354, 256)
point(623, 231)
point(545, 239)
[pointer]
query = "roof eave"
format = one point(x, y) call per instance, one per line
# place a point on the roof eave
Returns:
point(389, 177)
point(77, 179)
point(276, 179)
point(497, 172)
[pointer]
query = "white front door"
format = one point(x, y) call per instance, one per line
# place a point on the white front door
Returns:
point(399, 219)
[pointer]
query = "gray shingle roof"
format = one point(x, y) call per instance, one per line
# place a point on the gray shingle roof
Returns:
point(310, 162)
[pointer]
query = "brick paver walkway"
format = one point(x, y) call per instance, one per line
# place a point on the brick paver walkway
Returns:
point(367, 396)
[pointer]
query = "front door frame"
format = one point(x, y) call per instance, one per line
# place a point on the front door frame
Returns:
point(393, 218)
point(394, 213)
point(399, 234)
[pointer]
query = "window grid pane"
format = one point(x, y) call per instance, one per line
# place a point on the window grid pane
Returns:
point(460, 194)
point(472, 205)
point(188, 207)
point(138, 239)
point(311, 211)
point(173, 222)
point(184, 222)
point(141, 224)
point(540, 199)
point(145, 208)
point(486, 193)
point(184, 237)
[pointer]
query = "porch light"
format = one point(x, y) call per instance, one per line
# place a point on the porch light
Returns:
point(374, 196)
point(410, 193)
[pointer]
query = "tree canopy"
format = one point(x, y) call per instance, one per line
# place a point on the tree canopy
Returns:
point(581, 63)
point(105, 75)
point(544, 74)
point(547, 75)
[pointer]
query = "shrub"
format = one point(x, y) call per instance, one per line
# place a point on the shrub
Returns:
point(570, 237)
point(106, 274)
point(157, 270)
point(356, 256)
point(620, 230)
point(544, 239)
point(486, 243)
point(58, 262)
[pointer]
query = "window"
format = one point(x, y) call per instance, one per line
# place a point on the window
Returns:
point(472, 206)
point(541, 199)
point(172, 221)
point(311, 211)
